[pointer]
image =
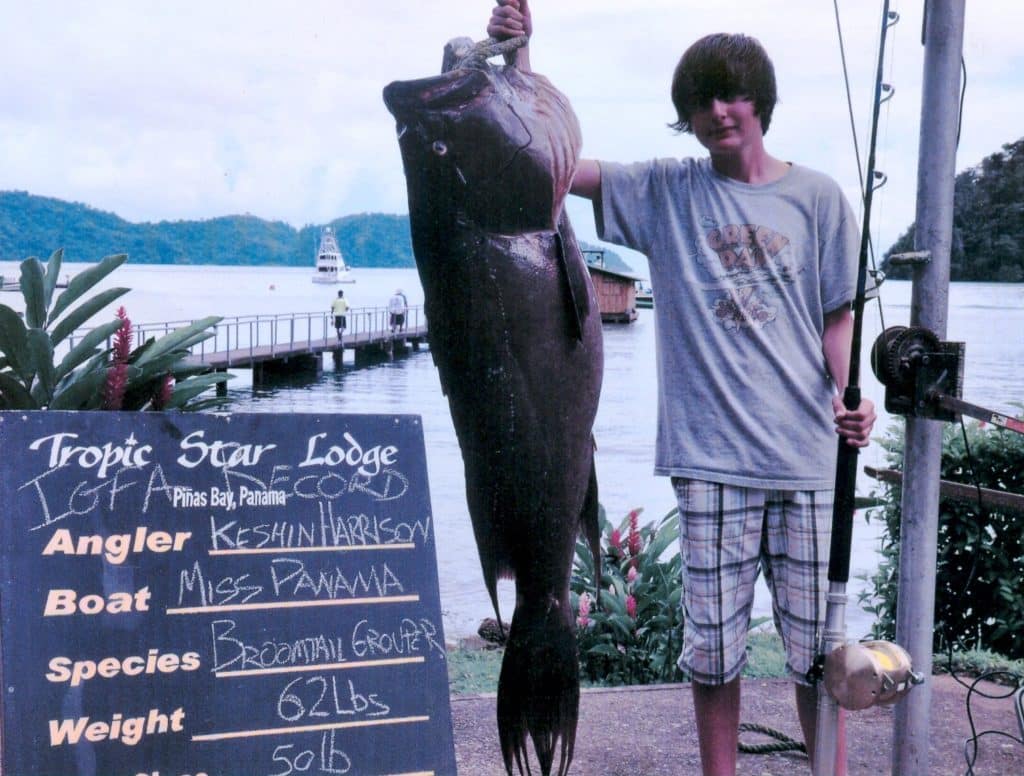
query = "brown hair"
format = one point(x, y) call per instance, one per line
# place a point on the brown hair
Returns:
point(723, 66)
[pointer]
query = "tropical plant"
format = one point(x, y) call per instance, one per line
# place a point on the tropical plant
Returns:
point(92, 373)
point(633, 633)
point(980, 573)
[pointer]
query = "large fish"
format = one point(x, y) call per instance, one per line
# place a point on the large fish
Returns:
point(489, 153)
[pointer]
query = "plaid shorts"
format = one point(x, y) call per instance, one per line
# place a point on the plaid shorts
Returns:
point(727, 535)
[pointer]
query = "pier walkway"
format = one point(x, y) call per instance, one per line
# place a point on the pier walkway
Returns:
point(291, 342)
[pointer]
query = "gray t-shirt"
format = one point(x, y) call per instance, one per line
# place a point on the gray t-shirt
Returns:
point(743, 276)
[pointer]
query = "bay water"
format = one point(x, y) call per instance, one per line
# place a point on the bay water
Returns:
point(988, 317)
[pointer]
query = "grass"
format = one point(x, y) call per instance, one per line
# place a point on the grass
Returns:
point(472, 671)
point(975, 662)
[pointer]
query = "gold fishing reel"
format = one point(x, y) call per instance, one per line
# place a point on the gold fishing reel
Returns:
point(868, 673)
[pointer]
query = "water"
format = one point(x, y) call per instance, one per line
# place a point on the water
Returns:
point(989, 317)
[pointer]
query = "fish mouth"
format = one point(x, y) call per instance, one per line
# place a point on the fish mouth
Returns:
point(448, 92)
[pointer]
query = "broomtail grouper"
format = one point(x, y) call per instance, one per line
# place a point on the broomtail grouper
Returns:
point(489, 153)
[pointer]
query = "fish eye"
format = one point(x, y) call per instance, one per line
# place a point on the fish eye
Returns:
point(440, 148)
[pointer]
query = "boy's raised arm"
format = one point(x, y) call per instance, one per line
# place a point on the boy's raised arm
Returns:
point(510, 19)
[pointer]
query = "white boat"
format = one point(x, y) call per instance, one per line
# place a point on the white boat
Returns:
point(330, 265)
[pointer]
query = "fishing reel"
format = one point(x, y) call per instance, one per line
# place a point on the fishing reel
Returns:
point(869, 673)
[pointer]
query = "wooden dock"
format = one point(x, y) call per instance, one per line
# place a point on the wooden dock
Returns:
point(286, 343)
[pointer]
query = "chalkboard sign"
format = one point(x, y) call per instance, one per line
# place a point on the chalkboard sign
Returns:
point(228, 595)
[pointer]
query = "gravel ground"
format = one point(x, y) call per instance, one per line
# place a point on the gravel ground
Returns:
point(649, 731)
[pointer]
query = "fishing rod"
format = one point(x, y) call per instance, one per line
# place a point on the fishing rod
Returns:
point(878, 672)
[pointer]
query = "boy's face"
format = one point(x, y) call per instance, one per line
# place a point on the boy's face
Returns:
point(726, 127)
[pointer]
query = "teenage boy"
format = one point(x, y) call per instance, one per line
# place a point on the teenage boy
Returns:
point(753, 264)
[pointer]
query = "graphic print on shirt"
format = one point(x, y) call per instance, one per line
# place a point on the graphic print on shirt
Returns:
point(747, 260)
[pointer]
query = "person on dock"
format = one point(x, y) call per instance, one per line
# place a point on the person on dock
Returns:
point(398, 307)
point(339, 307)
point(753, 261)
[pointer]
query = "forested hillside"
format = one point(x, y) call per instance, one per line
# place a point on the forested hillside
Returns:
point(988, 221)
point(35, 226)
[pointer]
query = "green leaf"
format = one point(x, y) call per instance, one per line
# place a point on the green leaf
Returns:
point(622, 624)
point(83, 392)
point(189, 389)
point(52, 275)
point(195, 332)
point(86, 348)
point(84, 312)
point(14, 395)
point(14, 343)
point(32, 291)
point(168, 362)
point(604, 650)
point(41, 354)
point(85, 280)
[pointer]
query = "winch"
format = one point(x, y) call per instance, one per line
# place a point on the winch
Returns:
point(923, 377)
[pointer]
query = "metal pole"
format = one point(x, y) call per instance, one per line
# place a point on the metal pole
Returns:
point(915, 615)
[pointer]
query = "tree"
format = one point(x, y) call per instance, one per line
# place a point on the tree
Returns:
point(988, 221)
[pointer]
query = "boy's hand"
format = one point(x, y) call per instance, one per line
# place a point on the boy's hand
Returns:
point(510, 19)
point(854, 425)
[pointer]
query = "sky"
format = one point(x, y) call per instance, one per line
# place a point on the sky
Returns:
point(192, 110)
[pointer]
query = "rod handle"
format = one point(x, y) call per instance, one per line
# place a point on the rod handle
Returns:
point(843, 504)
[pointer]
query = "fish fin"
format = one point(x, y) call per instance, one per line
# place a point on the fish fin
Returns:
point(576, 276)
point(590, 522)
point(539, 687)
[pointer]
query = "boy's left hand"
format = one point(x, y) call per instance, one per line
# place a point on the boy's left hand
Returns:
point(854, 425)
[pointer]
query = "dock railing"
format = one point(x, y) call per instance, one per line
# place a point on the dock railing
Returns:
point(283, 333)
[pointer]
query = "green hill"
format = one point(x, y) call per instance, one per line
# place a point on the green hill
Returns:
point(988, 221)
point(35, 226)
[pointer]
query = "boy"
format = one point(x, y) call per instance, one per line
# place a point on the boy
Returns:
point(753, 264)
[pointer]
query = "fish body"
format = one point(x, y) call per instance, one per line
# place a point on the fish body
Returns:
point(489, 154)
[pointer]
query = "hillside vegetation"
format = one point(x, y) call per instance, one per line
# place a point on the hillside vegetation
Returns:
point(988, 221)
point(35, 226)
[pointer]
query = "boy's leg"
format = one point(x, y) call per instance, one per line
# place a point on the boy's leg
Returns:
point(717, 708)
point(719, 537)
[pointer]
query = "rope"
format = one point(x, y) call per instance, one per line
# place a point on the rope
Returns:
point(784, 742)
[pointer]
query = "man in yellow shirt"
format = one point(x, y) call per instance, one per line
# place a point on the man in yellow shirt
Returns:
point(339, 307)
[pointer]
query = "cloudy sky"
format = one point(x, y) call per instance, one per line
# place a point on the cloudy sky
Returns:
point(190, 110)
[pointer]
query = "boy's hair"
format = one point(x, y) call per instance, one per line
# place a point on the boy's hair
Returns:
point(723, 66)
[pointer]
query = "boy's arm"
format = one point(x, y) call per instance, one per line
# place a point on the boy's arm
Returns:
point(510, 19)
point(854, 425)
point(587, 181)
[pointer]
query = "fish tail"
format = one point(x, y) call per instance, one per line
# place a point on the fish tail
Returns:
point(539, 687)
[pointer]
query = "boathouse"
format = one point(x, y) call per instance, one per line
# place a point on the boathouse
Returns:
point(616, 291)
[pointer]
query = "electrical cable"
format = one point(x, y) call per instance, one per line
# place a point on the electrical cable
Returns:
point(971, 748)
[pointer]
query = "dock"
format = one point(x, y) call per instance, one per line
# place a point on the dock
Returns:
point(12, 285)
point(287, 343)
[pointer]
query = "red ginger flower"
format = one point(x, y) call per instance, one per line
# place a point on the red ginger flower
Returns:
point(123, 338)
point(631, 606)
point(615, 540)
point(117, 375)
point(634, 533)
point(584, 619)
point(163, 393)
